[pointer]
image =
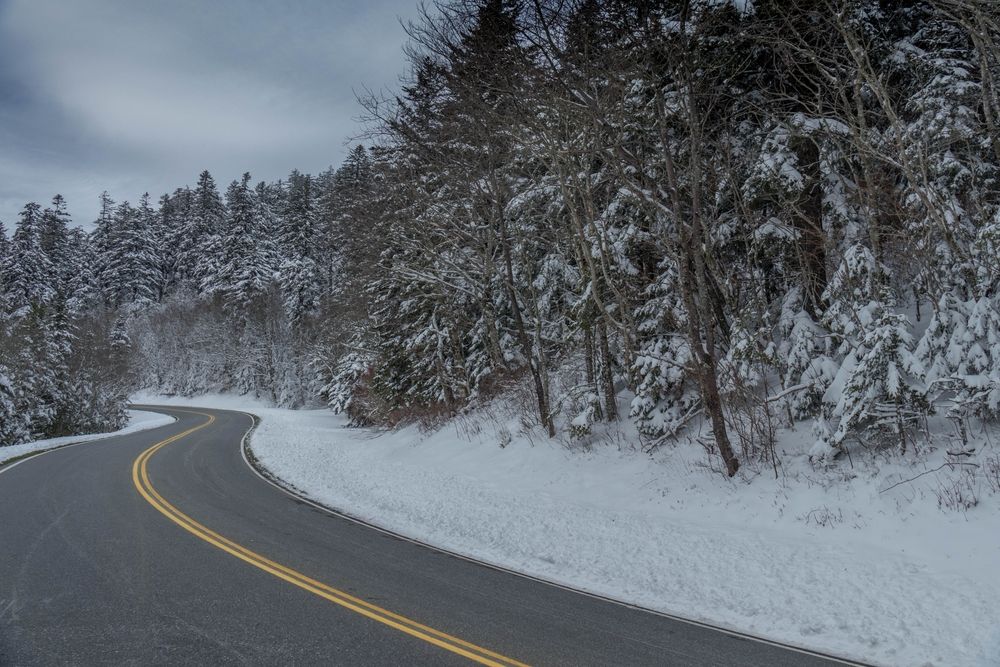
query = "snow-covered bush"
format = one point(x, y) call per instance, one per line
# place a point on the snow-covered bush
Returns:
point(878, 389)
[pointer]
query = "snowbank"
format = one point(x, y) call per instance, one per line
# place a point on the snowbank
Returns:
point(832, 561)
point(138, 420)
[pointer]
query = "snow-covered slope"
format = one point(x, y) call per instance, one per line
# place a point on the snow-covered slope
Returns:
point(138, 420)
point(818, 559)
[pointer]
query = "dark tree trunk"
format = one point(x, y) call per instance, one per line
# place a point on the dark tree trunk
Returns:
point(591, 376)
point(705, 362)
point(607, 379)
point(525, 340)
point(809, 224)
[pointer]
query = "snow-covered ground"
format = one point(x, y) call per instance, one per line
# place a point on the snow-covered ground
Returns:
point(833, 560)
point(138, 420)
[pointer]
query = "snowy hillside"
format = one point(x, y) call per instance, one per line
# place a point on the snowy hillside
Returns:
point(138, 420)
point(836, 560)
point(697, 302)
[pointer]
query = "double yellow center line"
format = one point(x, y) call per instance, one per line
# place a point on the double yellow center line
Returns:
point(140, 478)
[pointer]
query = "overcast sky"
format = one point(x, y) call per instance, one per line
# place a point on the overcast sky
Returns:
point(134, 96)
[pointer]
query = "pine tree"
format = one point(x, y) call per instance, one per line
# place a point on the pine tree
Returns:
point(171, 238)
point(245, 270)
point(14, 419)
point(29, 273)
point(881, 382)
point(128, 262)
point(81, 284)
point(878, 385)
point(299, 274)
point(143, 257)
point(200, 250)
point(69, 255)
point(4, 242)
point(54, 240)
point(103, 241)
point(5, 268)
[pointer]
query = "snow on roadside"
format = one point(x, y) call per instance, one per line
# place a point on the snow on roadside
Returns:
point(138, 420)
point(883, 577)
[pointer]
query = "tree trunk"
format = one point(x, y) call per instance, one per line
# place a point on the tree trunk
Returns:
point(705, 365)
point(591, 377)
point(809, 224)
point(525, 340)
point(607, 379)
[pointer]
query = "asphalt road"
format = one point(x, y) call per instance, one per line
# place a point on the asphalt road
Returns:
point(194, 559)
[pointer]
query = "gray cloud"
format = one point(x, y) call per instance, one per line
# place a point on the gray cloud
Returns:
point(136, 96)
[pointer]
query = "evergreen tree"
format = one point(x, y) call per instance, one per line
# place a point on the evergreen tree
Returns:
point(245, 270)
point(55, 243)
point(103, 241)
point(200, 250)
point(143, 260)
point(171, 238)
point(4, 242)
point(5, 269)
point(15, 425)
point(299, 274)
point(29, 274)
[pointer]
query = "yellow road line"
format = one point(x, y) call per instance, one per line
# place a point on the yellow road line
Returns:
point(140, 478)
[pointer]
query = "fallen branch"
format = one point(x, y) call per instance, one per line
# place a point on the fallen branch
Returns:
point(927, 472)
point(790, 390)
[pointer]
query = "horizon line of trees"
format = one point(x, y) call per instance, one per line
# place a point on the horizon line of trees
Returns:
point(202, 292)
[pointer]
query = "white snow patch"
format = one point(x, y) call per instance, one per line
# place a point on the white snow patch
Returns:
point(819, 559)
point(138, 420)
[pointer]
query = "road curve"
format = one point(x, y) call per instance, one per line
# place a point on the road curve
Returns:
point(164, 547)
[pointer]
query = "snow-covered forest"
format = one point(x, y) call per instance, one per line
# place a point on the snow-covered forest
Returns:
point(688, 214)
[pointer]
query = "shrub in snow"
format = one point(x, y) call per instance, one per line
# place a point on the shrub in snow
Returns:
point(345, 385)
point(665, 398)
point(880, 380)
point(582, 424)
point(960, 352)
point(823, 450)
point(807, 370)
point(943, 348)
point(878, 388)
point(776, 171)
point(856, 291)
point(14, 425)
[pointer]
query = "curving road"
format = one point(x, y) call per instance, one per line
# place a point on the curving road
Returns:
point(164, 547)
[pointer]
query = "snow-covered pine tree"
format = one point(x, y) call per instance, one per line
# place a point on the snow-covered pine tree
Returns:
point(878, 388)
point(55, 243)
point(171, 238)
point(102, 242)
point(806, 364)
point(943, 156)
point(666, 398)
point(15, 426)
point(343, 207)
point(29, 273)
point(270, 198)
point(245, 269)
point(130, 263)
point(4, 242)
point(5, 259)
point(199, 252)
point(299, 275)
point(82, 293)
point(143, 260)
